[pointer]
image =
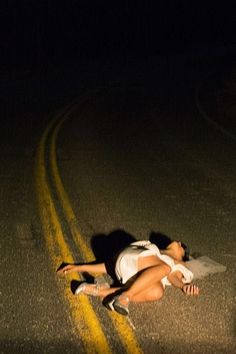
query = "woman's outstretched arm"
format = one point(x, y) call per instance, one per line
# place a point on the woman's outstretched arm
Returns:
point(83, 268)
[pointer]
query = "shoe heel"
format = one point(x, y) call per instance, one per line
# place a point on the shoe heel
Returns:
point(108, 302)
point(121, 309)
point(110, 305)
point(80, 289)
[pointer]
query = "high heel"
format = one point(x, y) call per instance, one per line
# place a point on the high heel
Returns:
point(108, 302)
point(90, 289)
point(119, 307)
point(80, 289)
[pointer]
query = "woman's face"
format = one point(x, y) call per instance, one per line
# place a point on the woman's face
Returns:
point(178, 249)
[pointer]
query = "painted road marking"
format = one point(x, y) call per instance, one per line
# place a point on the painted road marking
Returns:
point(82, 312)
point(122, 325)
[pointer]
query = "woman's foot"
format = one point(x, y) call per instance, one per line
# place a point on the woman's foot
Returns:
point(121, 304)
point(91, 289)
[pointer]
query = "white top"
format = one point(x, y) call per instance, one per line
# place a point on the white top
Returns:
point(127, 262)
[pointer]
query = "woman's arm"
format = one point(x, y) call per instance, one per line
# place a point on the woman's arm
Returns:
point(176, 279)
point(83, 268)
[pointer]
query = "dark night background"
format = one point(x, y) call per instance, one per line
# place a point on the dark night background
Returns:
point(50, 32)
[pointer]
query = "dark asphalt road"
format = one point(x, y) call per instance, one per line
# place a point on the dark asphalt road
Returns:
point(137, 156)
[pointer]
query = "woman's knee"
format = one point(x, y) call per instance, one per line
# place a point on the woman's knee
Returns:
point(159, 292)
point(156, 293)
point(166, 269)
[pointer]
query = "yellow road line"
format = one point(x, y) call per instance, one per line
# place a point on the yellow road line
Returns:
point(69, 213)
point(83, 315)
point(124, 330)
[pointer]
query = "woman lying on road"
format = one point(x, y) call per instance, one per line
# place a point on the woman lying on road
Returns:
point(143, 272)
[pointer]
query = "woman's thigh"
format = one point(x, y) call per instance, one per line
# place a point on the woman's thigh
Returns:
point(148, 261)
point(153, 293)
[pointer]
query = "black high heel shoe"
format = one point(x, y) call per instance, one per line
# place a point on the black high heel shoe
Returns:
point(119, 307)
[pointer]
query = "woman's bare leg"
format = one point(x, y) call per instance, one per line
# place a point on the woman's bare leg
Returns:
point(145, 281)
point(107, 291)
point(154, 293)
point(146, 287)
point(101, 290)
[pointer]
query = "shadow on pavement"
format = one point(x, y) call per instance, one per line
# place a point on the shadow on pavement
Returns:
point(107, 247)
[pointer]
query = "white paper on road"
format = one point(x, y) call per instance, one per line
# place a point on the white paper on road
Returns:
point(204, 266)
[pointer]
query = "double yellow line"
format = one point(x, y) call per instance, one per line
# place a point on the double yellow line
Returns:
point(83, 315)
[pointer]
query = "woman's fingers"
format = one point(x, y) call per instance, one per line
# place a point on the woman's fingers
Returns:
point(66, 269)
point(196, 290)
point(191, 289)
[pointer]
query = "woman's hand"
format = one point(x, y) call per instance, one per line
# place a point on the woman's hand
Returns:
point(190, 289)
point(68, 269)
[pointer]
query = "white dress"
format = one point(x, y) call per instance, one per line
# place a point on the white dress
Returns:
point(127, 262)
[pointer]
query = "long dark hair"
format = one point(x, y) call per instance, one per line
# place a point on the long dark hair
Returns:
point(163, 241)
point(186, 254)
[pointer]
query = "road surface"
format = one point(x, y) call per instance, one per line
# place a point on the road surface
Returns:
point(132, 156)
